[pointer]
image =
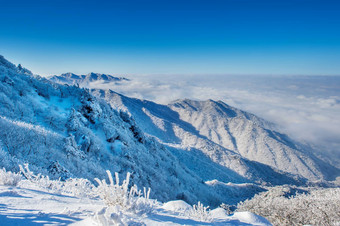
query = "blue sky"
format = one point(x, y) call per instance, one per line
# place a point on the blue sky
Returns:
point(173, 37)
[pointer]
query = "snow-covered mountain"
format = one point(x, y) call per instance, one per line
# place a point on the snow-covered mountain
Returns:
point(252, 137)
point(85, 80)
point(222, 133)
point(225, 135)
point(190, 150)
point(64, 131)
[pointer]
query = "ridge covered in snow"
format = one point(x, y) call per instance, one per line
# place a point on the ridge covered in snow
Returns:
point(64, 131)
point(206, 125)
point(85, 80)
point(223, 133)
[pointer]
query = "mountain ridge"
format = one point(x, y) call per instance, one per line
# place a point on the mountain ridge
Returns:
point(83, 80)
point(153, 114)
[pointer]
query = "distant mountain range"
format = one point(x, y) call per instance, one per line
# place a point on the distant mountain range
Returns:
point(83, 80)
point(190, 150)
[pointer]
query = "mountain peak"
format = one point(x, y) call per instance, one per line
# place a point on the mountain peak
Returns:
point(209, 106)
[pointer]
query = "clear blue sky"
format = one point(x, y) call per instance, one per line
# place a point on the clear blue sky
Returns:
point(170, 36)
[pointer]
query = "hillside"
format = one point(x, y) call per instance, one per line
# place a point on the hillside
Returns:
point(64, 131)
point(224, 133)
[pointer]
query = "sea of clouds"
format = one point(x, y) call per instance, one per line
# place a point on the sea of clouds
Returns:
point(305, 107)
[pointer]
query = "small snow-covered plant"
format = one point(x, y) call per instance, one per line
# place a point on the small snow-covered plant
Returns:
point(79, 187)
point(200, 212)
point(227, 208)
point(40, 180)
point(130, 199)
point(28, 174)
point(143, 204)
point(9, 178)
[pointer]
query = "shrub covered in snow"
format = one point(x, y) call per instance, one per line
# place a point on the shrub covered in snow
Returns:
point(9, 178)
point(79, 187)
point(227, 208)
point(284, 205)
point(200, 212)
point(40, 180)
point(113, 194)
point(127, 198)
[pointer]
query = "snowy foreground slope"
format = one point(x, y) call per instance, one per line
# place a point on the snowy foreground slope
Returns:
point(21, 206)
point(31, 202)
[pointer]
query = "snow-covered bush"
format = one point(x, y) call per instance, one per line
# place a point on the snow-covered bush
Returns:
point(113, 194)
point(40, 180)
point(317, 206)
point(9, 178)
point(227, 208)
point(200, 212)
point(79, 187)
point(129, 199)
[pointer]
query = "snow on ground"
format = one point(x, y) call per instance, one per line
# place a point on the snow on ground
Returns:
point(30, 205)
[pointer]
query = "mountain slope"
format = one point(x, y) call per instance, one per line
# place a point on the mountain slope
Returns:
point(208, 159)
point(223, 134)
point(252, 138)
point(64, 131)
